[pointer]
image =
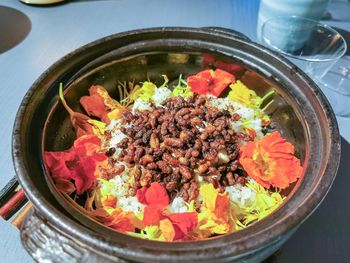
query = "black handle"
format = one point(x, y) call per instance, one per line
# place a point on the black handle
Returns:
point(227, 32)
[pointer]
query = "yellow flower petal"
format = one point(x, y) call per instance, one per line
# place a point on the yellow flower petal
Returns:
point(209, 194)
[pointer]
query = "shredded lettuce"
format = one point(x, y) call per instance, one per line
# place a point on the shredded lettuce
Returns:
point(265, 203)
point(182, 89)
point(145, 92)
point(166, 80)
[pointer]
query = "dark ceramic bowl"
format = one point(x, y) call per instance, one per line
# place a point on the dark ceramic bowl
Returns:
point(57, 232)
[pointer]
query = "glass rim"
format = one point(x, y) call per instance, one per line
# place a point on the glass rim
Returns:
point(300, 18)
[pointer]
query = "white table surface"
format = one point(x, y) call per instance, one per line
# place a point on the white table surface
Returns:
point(60, 29)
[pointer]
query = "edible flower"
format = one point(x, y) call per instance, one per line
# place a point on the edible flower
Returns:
point(215, 216)
point(98, 127)
point(122, 221)
point(154, 195)
point(242, 94)
point(172, 226)
point(210, 82)
point(98, 103)
point(156, 199)
point(79, 121)
point(78, 163)
point(271, 161)
point(212, 61)
point(178, 225)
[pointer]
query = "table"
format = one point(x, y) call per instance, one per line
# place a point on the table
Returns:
point(59, 29)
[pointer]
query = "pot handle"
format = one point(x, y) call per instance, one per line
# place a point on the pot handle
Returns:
point(45, 243)
point(227, 32)
point(12, 199)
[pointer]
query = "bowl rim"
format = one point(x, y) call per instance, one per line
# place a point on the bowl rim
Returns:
point(80, 232)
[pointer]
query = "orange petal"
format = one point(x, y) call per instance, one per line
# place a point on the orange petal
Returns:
point(156, 194)
point(152, 215)
point(109, 201)
point(185, 221)
point(167, 229)
point(98, 103)
point(210, 82)
point(271, 161)
point(222, 206)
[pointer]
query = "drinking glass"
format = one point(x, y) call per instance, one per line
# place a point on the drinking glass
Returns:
point(313, 47)
point(312, 9)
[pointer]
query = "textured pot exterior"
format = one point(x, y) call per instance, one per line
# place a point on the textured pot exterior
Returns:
point(45, 243)
point(52, 234)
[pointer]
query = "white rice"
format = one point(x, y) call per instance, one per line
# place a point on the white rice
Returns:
point(141, 105)
point(117, 135)
point(241, 195)
point(245, 113)
point(232, 106)
point(222, 103)
point(178, 206)
point(255, 124)
point(119, 185)
point(130, 204)
point(161, 95)
point(236, 126)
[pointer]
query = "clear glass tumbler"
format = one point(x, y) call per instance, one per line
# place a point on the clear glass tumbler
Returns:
point(313, 47)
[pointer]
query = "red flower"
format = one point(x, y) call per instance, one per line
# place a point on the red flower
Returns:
point(152, 215)
point(210, 60)
point(124, 225)
point(173, 226)
point(156, 198)
point(154, 195)
point(176, 226)
point(78, 163)
point(185, 221)
point(80, 123)
point(99, 103)
point(78, 120)
point(210, 82)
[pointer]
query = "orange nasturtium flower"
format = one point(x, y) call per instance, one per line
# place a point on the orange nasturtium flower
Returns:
point(271, 161)
point(173, 226)
point(116, 218)
point(99, 103)
point(177, 225)
point(210, 81)
point(78, 163)
point(79, 121)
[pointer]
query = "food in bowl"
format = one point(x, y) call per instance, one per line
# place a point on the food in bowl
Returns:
point(178, 162)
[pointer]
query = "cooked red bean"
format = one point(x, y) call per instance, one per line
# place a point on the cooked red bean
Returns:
point(171, 143)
